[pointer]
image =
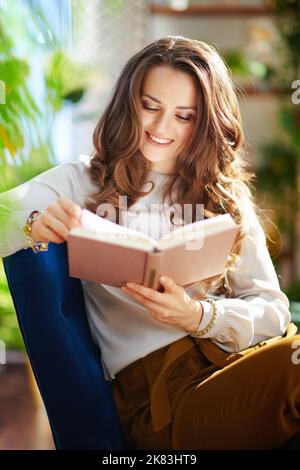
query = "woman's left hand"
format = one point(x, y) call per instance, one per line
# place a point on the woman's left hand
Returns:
point(173, 306)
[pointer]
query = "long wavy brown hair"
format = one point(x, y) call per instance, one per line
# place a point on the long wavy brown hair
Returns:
point(212, 170)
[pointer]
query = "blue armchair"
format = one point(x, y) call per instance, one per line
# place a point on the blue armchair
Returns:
point(65, 361)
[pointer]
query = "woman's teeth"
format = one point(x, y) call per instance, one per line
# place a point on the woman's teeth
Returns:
point(158, 140)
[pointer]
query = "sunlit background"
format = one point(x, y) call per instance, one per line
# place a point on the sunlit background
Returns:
point(59, 60)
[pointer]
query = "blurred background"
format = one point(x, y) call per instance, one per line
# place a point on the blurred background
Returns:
point(58, 62)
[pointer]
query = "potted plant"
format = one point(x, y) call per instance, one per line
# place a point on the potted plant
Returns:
point(25, 134)
point(278, 178)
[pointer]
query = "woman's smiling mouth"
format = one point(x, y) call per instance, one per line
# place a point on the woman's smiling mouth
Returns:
point(158, 142)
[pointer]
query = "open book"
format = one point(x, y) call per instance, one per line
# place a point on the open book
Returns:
point(107, 253)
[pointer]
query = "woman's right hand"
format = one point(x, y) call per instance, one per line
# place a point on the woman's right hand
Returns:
point(54, 224)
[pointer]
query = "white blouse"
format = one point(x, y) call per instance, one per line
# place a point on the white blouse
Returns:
point(125, 330)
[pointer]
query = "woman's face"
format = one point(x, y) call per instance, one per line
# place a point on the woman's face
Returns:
point(168, 109)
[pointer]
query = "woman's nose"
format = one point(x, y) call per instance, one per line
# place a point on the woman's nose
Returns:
point(162, 124)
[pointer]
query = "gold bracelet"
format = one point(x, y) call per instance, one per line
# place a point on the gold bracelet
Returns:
point(213, 320)
point(30, 243)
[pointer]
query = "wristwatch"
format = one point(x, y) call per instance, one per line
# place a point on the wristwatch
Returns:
point(30, 243)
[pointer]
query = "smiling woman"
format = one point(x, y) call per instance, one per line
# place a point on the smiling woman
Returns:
point(177, 111)
point(165, 126)
point(184, 362)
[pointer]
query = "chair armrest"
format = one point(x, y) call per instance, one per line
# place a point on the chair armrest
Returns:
point(65, 361)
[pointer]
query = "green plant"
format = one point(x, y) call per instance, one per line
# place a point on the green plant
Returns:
point(9, 329)
point(23, 153)
point(66, 79)
point(279, 175)
point(25, 121)
point(243, 66)
point(293, 291)
point(288, 24)
point(293, 294)
point(24, 148)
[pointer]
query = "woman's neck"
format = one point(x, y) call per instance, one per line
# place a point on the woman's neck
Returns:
point(168, 170)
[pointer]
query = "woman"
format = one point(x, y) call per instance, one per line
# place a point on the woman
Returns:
point(189, 365)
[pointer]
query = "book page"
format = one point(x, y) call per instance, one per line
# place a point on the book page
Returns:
point(195, 232)
point(98, 228)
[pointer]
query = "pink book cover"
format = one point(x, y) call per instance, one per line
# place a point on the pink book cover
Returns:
point(107, 253)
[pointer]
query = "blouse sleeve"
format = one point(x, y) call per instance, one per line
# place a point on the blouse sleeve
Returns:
point(259, 309)
point(68, 179)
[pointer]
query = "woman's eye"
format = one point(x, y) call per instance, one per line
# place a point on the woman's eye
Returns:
point(184, 119)
point(155, 109)
point(150, 109)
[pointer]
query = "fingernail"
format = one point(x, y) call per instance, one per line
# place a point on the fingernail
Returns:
point(77, 212)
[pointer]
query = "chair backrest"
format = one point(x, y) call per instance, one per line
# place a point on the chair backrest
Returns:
point(65, 361)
